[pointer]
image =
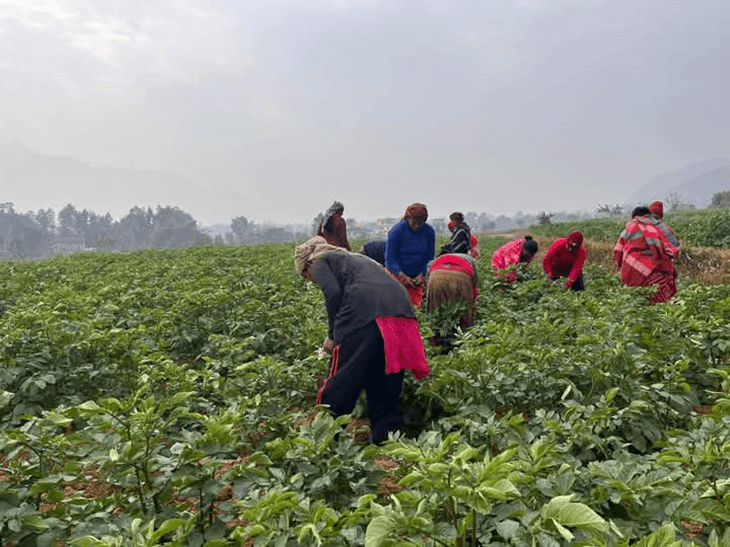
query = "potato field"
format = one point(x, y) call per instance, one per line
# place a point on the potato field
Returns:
point(164, 397)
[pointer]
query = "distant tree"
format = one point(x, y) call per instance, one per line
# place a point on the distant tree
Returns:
point(67, 221)
point(613, 211)
point(239, 229)
point(721, 199)
point(440, 225)
point(673, 202)
point(544, 218)
point(316, 221)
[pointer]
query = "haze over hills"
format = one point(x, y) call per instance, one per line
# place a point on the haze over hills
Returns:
point(695, 184)
point(56, 181)
point(33, 180)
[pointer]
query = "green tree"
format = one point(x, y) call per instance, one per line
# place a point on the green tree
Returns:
point(721, 199)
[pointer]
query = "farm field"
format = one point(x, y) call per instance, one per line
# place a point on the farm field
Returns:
point(164, 397)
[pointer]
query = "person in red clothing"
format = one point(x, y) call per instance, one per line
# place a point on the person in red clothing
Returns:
point(506, 259)
point(565, 258)
point(644, 255)
point(333, 228)
point(452, 277)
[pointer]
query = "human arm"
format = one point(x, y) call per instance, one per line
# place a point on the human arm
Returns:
point(392, 248)
point(577, 270)
point(327, 281)
point(430, 248)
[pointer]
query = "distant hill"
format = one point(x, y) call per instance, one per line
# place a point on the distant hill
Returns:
point(695, 184)
point(54, 181)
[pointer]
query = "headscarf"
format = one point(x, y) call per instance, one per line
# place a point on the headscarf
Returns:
point(456, 216)
point(657, 209)
point(417, 211)
point(575, 238)
point(310, 250)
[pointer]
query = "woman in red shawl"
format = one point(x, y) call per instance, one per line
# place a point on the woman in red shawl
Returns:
point(452, 277)
point(644, 255)
point(333, 227)
point(565, 258)
point(506, 259)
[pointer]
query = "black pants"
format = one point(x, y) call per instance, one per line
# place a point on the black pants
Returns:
point(362, 366)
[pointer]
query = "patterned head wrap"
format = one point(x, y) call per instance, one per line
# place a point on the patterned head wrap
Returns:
point(417, 211)
point(310, 250)
point(336, 207)
point(657, 209)
point(575, 238)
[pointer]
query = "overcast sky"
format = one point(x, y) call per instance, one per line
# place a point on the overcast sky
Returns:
point(277, 107)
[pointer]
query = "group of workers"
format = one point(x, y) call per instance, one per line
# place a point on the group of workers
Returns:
point(371, 295)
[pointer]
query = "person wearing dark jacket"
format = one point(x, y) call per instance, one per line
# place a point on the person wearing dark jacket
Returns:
point(375, 249)
point(460, 242)
point(373, 333)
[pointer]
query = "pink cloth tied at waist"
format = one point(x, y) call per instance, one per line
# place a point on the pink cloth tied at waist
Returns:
point(403, 346)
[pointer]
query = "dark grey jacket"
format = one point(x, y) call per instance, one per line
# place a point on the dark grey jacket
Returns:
point(357, 290)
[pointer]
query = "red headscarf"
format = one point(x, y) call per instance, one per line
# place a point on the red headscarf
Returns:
point(417, 211)
point(656, 208)
point(575, 238)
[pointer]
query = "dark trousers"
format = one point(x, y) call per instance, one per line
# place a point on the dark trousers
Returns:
point(361, 365)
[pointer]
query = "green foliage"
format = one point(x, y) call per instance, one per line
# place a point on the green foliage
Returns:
point(180, 385)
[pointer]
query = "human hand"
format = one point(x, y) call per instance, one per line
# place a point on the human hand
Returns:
point(565, 286)
point(328, 345)
point(418, 280)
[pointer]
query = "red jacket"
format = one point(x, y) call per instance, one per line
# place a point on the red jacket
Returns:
point(643, 249)
point(338, 235)
point(508, 255)
point(560, 262)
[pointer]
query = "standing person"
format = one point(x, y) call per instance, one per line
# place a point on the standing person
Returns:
point(410, 246)
point(506, 259)
point(333, 227)
point(644, 255)
point(656, 208)
point(373, 334)
point(565, 258)
point(374, 249)
point(460, 235)
point(453, 277)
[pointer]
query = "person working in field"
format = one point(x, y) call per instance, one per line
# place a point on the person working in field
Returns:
point(374, 249)
point(453, 277)
point(460, 235)
point(656, 208)
point(373, 334)
point(474, 251)
point(644, 254)
point(333, 227)
point(565, 258)
point(410, 246)
point(509, 256)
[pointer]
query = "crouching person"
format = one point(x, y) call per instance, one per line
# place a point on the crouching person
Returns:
point(373, 334)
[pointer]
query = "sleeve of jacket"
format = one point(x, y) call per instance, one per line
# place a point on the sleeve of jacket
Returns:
point(577, 270)
point(392, 245)
point(430, 247)
point(342, 233)
point(547, 261)
point(618, 251)
point(326, 279)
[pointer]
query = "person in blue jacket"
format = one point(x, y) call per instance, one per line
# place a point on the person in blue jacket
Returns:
point(410, 246)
